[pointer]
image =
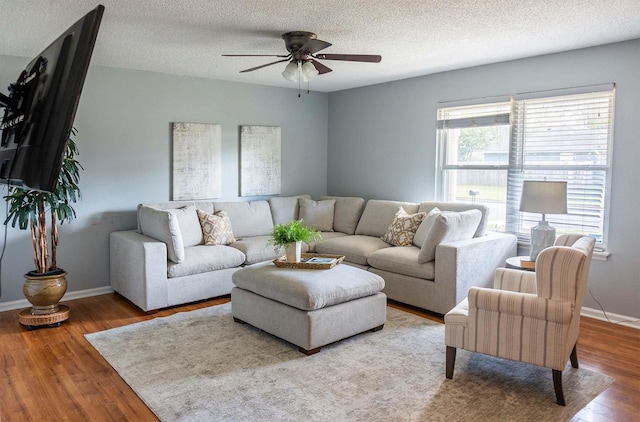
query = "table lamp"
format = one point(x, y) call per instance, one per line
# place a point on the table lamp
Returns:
point(544, 197)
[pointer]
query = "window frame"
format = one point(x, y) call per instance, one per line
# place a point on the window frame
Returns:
point(514, 218)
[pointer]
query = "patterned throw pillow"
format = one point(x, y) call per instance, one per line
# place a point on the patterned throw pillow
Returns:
point(403, 228)
point(216, 228)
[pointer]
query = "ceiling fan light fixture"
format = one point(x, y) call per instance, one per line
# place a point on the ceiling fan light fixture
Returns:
point(309, 71)
point(290, 72)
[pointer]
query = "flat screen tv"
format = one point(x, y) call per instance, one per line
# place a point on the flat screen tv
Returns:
point(41, 105)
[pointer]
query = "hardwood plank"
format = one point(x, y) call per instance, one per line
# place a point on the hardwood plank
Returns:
point(54, 373)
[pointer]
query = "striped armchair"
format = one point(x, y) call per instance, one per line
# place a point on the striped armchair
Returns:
point(532, 317)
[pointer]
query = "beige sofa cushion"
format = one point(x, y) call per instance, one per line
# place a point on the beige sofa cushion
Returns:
point(449, 227)
point(317, 214)
point(378, 215)
point(201, 259)
point(189, 225)
point(402, 260)
point(347, 213)
point(248, 218)
point(458, 207)
point(163, 226)
point(285, 209)
point(425, 227)
point(355, 249)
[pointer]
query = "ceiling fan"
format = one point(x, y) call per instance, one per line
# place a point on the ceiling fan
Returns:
point(303, 48)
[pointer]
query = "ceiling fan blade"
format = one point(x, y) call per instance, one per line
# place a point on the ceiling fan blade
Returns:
point(369, 58)
point(264, 65)
point(256, 55)
point(322, 69)
point(313, 46)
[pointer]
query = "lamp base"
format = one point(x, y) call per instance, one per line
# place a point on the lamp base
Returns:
point(542, 236)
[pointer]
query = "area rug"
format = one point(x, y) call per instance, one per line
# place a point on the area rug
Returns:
point(202, 366)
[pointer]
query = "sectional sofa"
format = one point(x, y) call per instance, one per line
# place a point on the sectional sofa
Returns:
point(164, 262)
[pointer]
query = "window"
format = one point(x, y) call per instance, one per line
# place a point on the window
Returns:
point(485, 152)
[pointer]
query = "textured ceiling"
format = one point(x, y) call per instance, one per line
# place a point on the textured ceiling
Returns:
point(187, 37)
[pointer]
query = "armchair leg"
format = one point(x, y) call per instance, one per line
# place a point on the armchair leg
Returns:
point(451, 361)
point(557, 385)
point(574, 356)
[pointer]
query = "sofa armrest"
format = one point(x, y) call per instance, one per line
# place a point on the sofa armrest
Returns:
point(138, 269)
point(466, 263)
point(515, 280)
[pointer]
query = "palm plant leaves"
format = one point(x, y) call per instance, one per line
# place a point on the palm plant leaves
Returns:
point(28, 208)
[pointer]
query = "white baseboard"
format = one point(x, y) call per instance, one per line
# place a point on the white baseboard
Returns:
point(587, 312)
point(614, 318)
point(24, 303)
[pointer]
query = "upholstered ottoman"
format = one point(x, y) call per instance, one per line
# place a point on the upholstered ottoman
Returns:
point(307, 307)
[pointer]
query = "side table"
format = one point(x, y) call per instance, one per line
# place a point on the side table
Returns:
point(514, 262)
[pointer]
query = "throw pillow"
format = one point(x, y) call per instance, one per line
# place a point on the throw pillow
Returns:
point(449, 227)
point(163, 225)
point(317, 214)
point(216, 228)
point(189, 225)
point(425, 227)
point(403, 228)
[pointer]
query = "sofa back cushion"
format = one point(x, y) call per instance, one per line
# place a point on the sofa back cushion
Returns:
point(163, 226)
point(317, 214)
point(347, 213)
point(446, 227)
point(285, 209)
point(206, 206)
point(378, 215)
point(456, 206)
point(247, 218)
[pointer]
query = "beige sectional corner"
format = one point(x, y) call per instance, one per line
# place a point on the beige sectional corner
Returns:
point(145, 271)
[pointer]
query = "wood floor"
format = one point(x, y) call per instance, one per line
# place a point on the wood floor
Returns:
point(55, 374)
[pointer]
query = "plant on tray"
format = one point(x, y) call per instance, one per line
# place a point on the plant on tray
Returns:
point(28, 209)
point(290, 237)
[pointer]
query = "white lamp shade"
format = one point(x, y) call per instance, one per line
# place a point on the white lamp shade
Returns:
point(309, 71)
point(291, 72)
point(544, 197)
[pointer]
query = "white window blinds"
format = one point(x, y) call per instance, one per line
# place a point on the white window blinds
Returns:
point(563, 138)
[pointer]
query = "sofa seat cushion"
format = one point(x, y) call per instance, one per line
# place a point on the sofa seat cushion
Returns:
point(308, 290)
point(325, 236)
point(257, 249)
point(201, 259)
point(402, 260)
point(356, 248)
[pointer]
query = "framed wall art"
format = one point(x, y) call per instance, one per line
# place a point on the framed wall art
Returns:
point(197, 161)
point(260, 160)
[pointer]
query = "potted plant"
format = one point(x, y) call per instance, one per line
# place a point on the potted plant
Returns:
point(290, 237)
point(28, 209)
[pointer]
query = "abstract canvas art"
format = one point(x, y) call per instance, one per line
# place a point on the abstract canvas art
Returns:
point(259, 160)
point(197, 161)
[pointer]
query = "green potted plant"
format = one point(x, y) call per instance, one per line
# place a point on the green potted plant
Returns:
point(28, 209)
point(290, 237)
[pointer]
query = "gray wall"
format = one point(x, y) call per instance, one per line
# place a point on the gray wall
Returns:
point(382, 142)
point(124, 123)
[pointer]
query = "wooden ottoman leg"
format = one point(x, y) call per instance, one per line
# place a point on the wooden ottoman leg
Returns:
point(378, 328)
point(239, 321)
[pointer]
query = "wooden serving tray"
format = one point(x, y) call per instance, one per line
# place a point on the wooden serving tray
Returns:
point(283, 263)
